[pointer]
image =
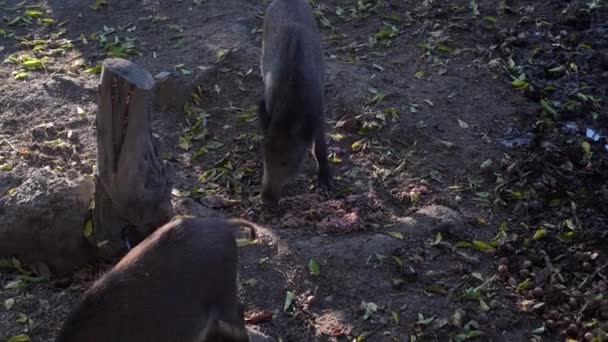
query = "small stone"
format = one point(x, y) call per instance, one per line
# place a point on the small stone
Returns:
point(503, 270)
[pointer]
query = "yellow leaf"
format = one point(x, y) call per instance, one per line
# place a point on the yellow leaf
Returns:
point(88, 228)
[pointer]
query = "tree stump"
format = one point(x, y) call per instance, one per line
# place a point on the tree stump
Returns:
point(133, 184)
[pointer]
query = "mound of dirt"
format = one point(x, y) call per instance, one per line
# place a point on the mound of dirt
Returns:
point(42, 221)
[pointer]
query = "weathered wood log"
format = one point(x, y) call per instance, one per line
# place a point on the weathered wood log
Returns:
point(133, 184)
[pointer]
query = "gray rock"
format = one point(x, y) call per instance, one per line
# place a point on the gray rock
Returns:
point(429, 221)
point(42, 221)
point(442, 220)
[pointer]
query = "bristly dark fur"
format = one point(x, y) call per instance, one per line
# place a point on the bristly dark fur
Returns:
point(291, 112)
point(179, 284)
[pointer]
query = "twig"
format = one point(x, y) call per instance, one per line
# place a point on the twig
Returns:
point(9, 144)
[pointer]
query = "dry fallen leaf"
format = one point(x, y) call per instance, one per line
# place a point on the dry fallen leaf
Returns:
point(259, 317)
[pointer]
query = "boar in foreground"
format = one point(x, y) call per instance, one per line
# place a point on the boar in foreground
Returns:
point(179, 284)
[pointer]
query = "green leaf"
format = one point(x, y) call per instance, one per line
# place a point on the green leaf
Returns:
point(503, 226)
point(88, 228)
point(220, 54)
point(482, 246)
point(15, 284)
point(21, 75)
point(395, 316)
point(586, 147)
point(92, 204)
point(6, 167)
point(387, 32)
point(419, 74)
point(570, 224)
point(370, 310)
point(314, 268)
point(436, 289)
point(336, 136)
point(444, 49)
point(19, 338)
point(334, 159)
point(468, 335)
point(473, 293)
point(539, 234)
point(214, 145)
point(376, 99)
point(245, 242)
point(483, 306)
point(99, 4)
point(547, 107)
point(33, 13)
point(464, 244)
point(289, 298)
point(358, 145)
point(422, 321)
point(96, 69)
point(398, 261)
point(524, 285)
point(519, 83)
point(396, 235)
point(184, 143)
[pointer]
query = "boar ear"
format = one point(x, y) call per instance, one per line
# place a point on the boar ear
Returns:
point(263, 115)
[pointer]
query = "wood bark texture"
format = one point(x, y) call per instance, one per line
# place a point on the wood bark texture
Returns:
point(133, 184)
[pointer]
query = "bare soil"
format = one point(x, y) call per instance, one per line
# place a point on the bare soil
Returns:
point(483, 107)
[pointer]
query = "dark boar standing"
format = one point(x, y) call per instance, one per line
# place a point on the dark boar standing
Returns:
point(179, 284)
point(291, 112)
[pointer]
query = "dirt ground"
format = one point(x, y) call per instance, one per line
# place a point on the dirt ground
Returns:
point(468, 141)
